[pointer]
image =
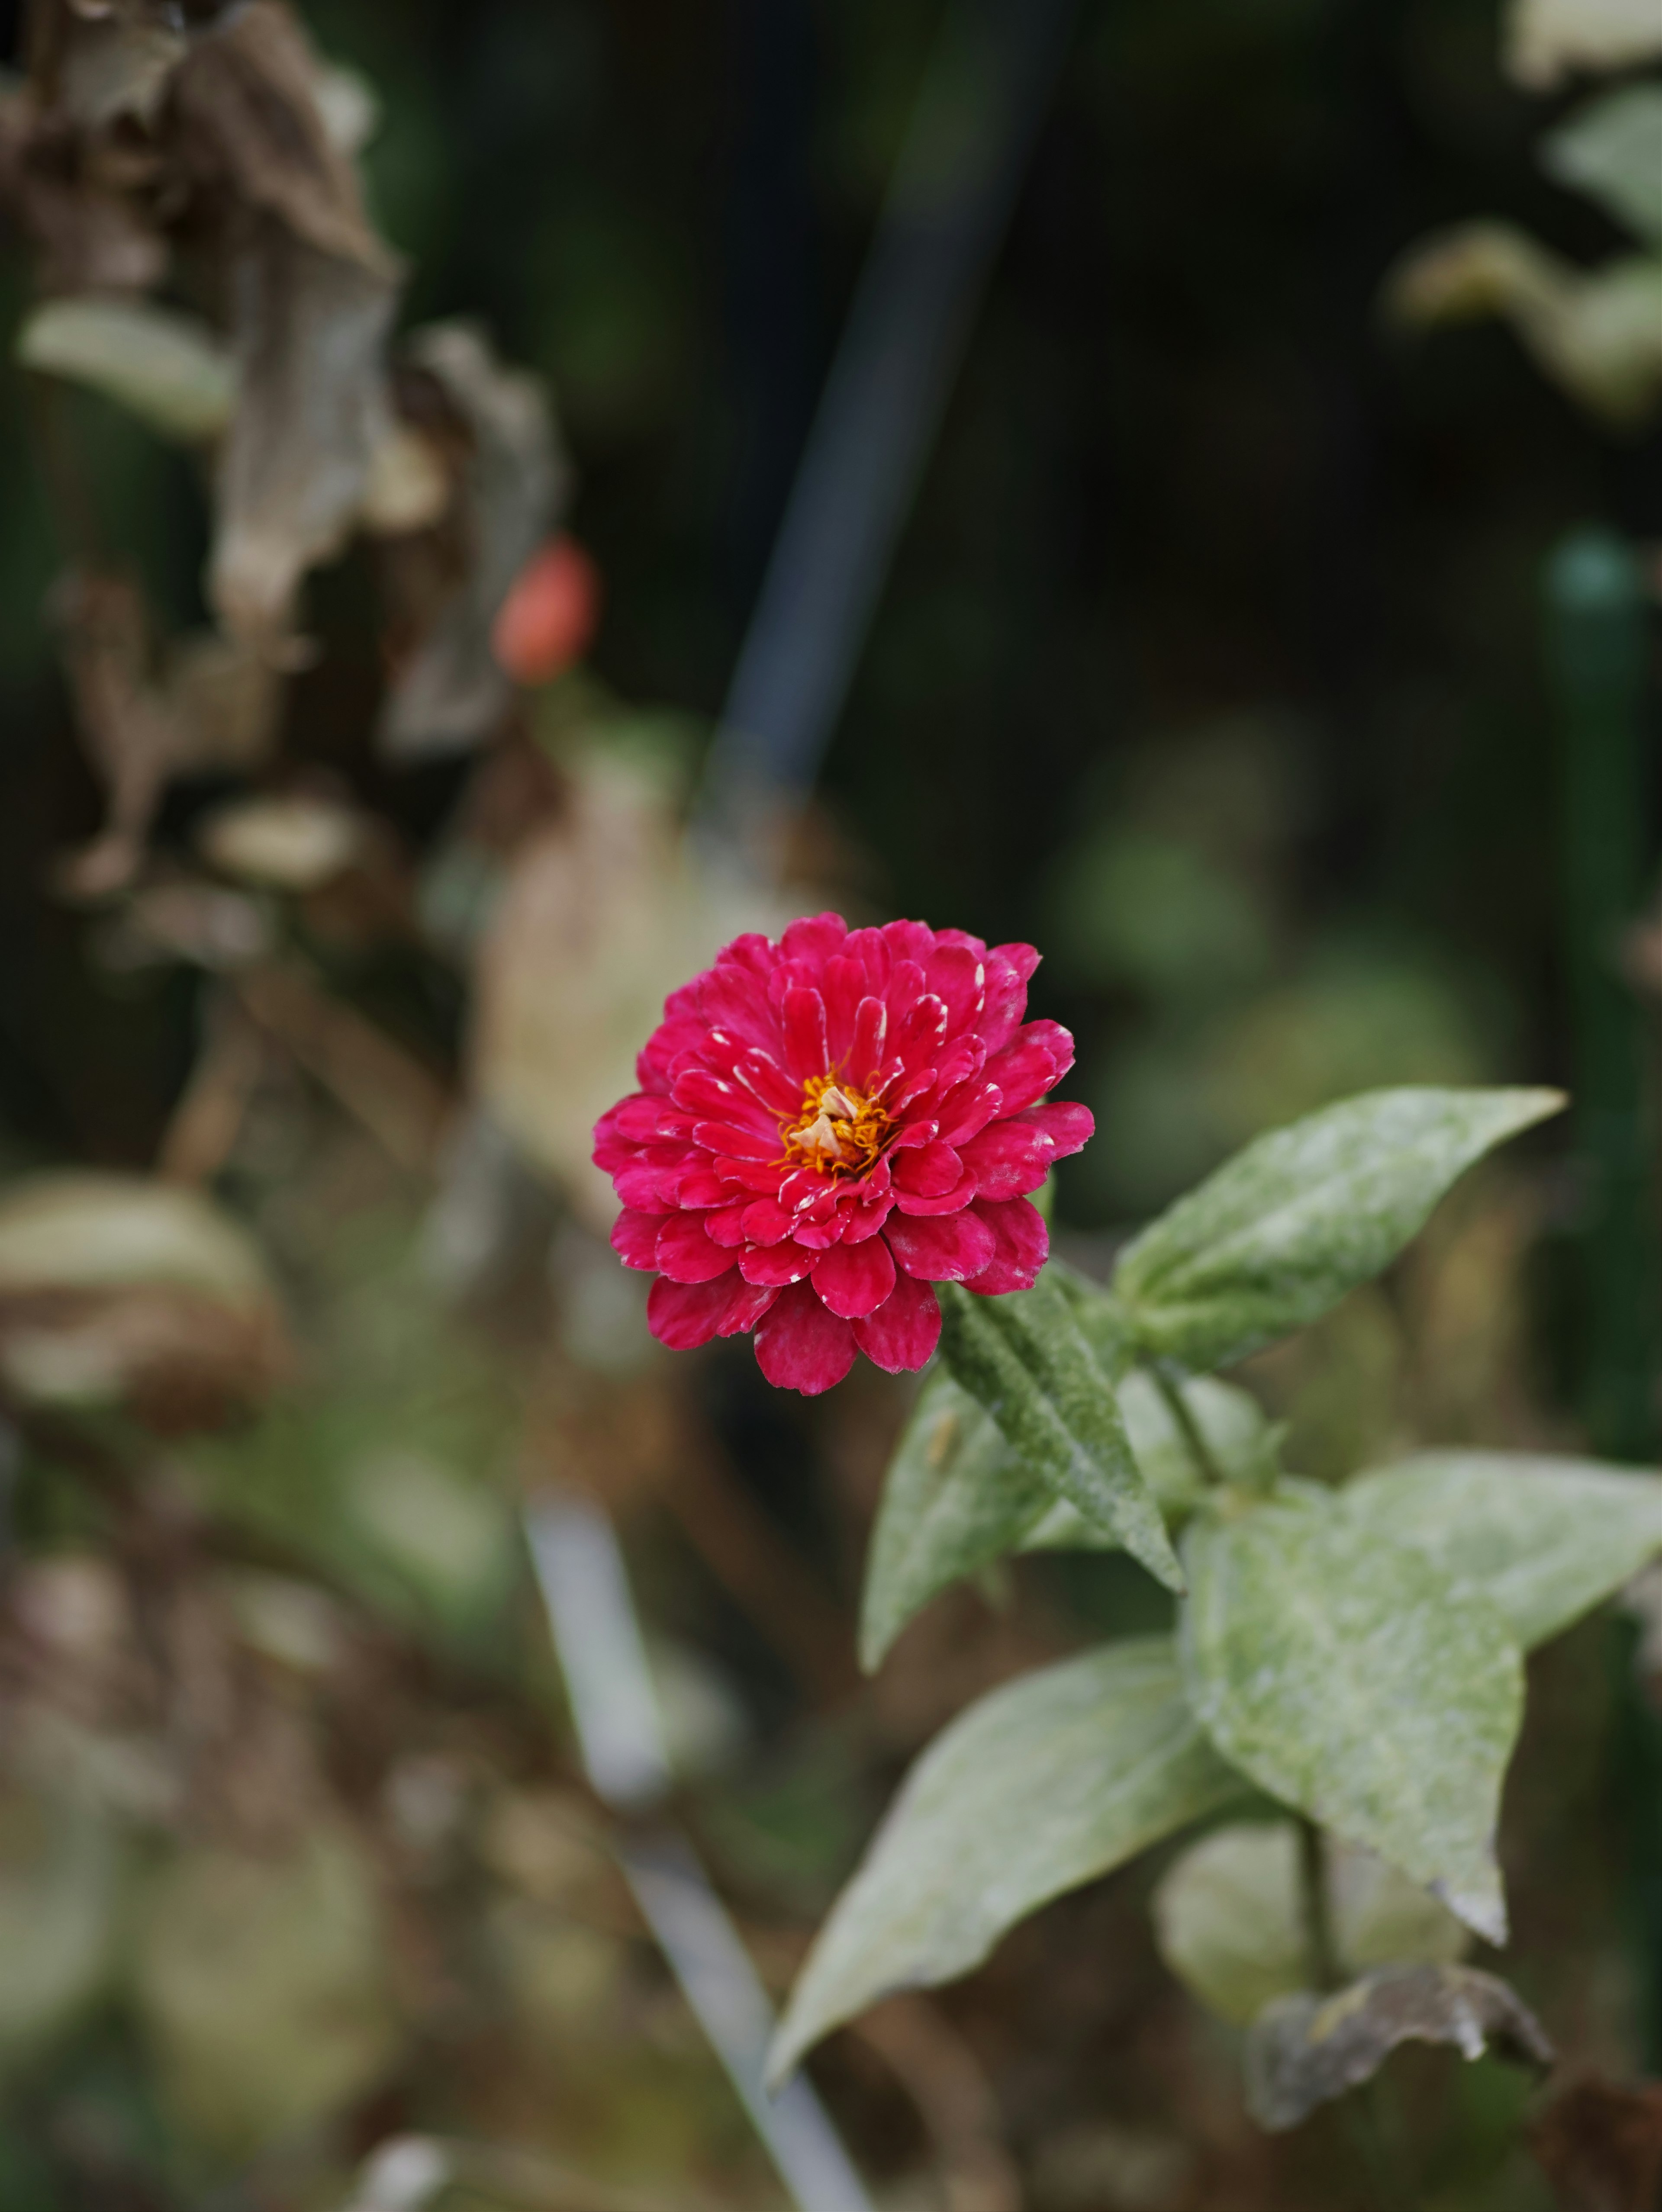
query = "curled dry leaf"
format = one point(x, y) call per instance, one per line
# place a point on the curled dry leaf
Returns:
point(294, 844)
point(117, 1289)
point(311, 292)
point(603, 913)
point(167, 369)
point(1597, 333)
point(450, 693)
point(1305, 2051)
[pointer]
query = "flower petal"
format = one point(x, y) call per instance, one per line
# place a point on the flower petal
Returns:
point(801, 1346)
point(816, 939)
point(970, 1107)
point(777, 1264)
point(927, 1170)
point(946, 1248)
point(1013, 1157)
point(1021, 1246)
point(1041, 1055)
point(901, 1336)
point(806, 1053)
point(765, 1221)
point(635, 1237)
point(854, 1279)
point(1009, 968)
point(871, 1030)
point(687, 1254)
point(683, 1316)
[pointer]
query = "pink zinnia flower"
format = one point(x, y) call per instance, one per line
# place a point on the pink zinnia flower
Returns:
point(826, 1127)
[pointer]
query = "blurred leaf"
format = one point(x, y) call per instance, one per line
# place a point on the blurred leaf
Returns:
point(1282, 1231)
point(263, 1984)
point(1547, 40)
point(61, 1869)
point(957, 1497)
point(450, 694)
point(87, 1231)
point(114, 1289)
point(312, 294)
point(604, 914)
point(1611, 149)
point(1338, 1669)
point(294, 844)
point(1230, 1917)
point(1048, 1783)
point(451, 1539)
point(1022, 1356)
point(1306, 2049)
point(167, 369)
point(1132, 907)
point(1597, 333)
point(1544, 1540)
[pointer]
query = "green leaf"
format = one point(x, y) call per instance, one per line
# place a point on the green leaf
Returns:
point(958, 1495)
point(1282, 1231)
point(1338, 1669)
point(1545, 1539)
point(1048, 1783)
point(1022, 1356)
point(1611, 149)
point(1230, 1917)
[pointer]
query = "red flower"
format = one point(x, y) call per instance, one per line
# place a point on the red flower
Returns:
point(827, 1126)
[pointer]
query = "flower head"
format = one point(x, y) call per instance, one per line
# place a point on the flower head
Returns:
point(825, 1127)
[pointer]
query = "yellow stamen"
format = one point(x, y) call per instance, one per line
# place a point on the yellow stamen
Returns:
point(839, 1132)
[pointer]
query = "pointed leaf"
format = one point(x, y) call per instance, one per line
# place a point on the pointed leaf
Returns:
point(1545, 1539)
point(958, 1496)
point(1048, 1783)
point(1024, 1358)
point(1282, 1231)
point(1611, 149)
point(1338, 1669)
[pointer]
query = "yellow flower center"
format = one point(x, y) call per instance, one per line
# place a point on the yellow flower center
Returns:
point(840, 1130)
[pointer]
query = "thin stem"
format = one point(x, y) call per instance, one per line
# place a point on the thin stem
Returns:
point(1326, 1971)
point(1377, 2140)
point(1190, 1429)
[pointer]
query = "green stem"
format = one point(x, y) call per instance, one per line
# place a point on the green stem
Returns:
point(1373, 2133)
point(1188, 1428)
point(1326, 1969)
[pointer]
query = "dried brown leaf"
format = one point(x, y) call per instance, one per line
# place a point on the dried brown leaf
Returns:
point(1304, 2051)
point(450, 695)
point(311, 291)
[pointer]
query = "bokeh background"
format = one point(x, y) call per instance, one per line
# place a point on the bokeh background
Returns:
point(1214, 660)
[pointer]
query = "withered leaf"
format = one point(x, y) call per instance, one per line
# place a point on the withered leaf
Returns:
point(1304, 2051)
point(213, 706)
point(450, 695)
point(311, 295)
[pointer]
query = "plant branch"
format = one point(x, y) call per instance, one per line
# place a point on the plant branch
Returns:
point(1188, 1428)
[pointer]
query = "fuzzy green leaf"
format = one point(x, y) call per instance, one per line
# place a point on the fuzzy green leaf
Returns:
point(1340, 1670)
point(1282, 1231)
point(1024, 1358)
point(958, 1495)
point(1545, 1539)
point(1048, 1783)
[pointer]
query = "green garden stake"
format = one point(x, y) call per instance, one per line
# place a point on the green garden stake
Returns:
point(1597, 617)
point(1597, 620)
